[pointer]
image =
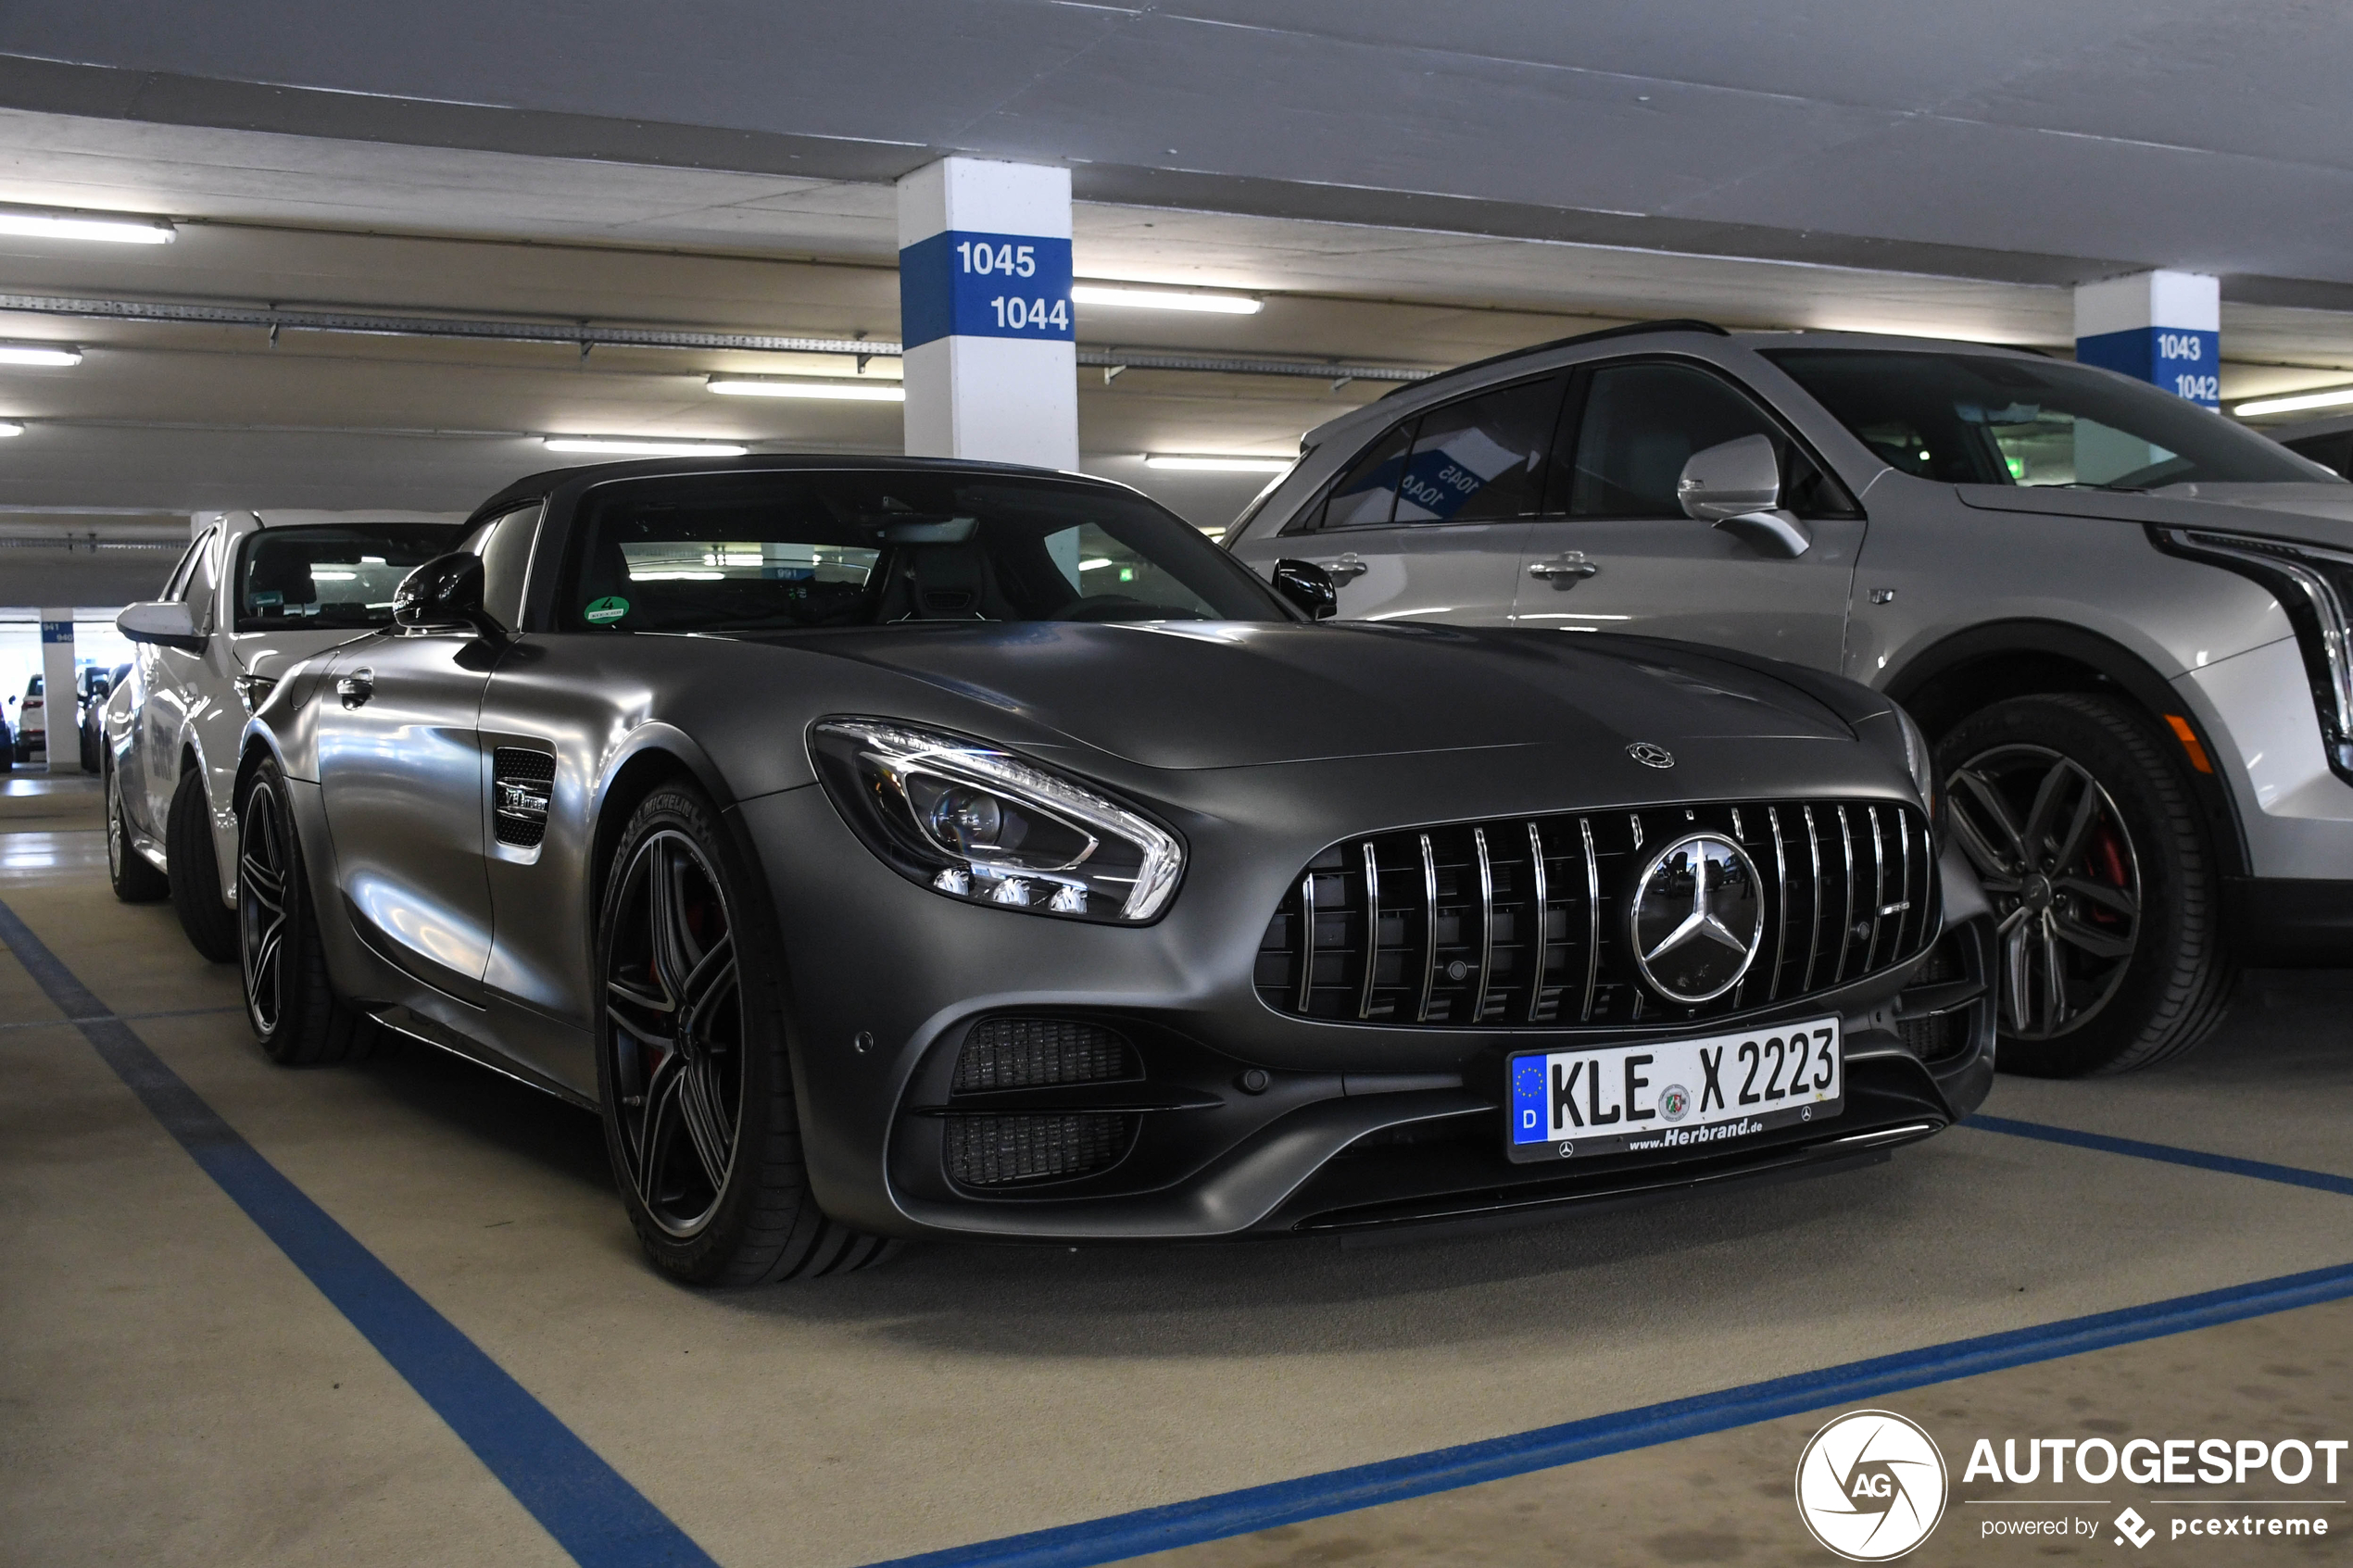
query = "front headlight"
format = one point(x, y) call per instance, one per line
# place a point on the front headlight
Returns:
point(980, 824)
point(2315, 587)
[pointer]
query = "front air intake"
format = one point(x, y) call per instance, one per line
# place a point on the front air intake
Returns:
point(1523, 922)
point(1036, 1053)
point(1000, 1151)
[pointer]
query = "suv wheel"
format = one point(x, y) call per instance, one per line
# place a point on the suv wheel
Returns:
point(2106, 892)
point(696, 1090)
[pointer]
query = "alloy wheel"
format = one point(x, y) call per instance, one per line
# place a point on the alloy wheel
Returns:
point(262, 863)
point(113, 827)
point(673, 1024)
point(2059, 868)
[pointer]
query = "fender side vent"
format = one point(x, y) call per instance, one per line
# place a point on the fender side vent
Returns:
point(521, 782)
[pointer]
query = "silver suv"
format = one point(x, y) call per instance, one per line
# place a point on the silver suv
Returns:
point(2123, 619)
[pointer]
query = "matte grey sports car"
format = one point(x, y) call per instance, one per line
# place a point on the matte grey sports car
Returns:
point(903, 848)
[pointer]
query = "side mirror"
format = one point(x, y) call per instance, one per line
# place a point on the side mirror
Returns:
point(1308, 586)
point(446, 592)
point(1737, 486)
point(164, 623)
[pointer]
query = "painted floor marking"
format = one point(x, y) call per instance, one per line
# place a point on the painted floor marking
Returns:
point(2228, 1164)
point(593, 1513)
point(1444, 1469)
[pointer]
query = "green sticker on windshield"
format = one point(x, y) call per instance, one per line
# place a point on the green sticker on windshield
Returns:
point(611, 607)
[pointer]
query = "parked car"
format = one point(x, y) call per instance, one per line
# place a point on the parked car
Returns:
point(252, 595)
point(2327, 442)
point(2121, 618)
point(96, 684)
point(8, 743)
point(33, 729)
point(903, 847)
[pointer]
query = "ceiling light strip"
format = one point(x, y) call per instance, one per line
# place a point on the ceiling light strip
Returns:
point(585, 334)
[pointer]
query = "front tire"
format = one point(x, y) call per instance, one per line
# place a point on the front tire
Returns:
point(2104, 888)
point(700, 1114)
point(127, 872)
point(290, 1003)
point(194, 869)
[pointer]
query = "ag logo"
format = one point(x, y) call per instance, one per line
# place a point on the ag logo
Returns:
point(1870, 1485)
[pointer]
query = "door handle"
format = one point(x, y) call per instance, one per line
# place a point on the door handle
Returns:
point(1345, 570)
point(1566, 573)
point(357, 688)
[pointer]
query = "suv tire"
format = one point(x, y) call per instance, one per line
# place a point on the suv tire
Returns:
point(692, 1071)
point(194, 869)
point(2104, 889)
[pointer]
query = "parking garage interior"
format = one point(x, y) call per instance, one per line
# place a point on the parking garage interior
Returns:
point(388, 264)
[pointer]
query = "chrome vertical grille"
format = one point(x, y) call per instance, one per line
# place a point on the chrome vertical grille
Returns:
point(1522, 921)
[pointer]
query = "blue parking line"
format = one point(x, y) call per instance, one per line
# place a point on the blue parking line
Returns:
point(2228, 1165)
point(593, 1513)
point(1445, 1469)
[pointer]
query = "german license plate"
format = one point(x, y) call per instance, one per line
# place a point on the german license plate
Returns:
point(1673, 1097)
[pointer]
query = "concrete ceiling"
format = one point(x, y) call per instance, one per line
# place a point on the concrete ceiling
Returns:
point(1408, 185)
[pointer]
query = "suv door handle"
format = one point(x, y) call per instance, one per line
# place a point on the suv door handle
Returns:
point(1345, 570)
point(357, 688)
point(1566, 573)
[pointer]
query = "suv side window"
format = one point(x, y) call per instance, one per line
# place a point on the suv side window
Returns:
point(1643, 421)
point(504, 544)
point(1479, 459)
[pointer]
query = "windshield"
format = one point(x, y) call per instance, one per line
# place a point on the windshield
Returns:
point(794, 550)
point(1976, 418)
point(331, 577)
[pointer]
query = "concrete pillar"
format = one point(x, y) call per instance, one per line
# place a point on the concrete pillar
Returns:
point(58, 715)
point(984, 306)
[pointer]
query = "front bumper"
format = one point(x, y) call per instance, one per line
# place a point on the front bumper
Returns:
point(1242, 1119)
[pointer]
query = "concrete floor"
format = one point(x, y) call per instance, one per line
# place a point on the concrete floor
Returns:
point(174, 1389)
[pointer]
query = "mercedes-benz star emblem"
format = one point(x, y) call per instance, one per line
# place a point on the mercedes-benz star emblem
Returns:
point(1650, 754)
point(1698, 918)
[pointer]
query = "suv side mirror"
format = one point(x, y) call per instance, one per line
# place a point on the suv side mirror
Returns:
point(164, 623)
point(446, 592)
point(1308, 586)
point(1737, 486)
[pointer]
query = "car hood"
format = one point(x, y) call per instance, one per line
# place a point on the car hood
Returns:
point(2320, 513)
point(1231, 694)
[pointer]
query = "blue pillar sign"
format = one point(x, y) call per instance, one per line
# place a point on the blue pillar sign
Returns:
point(57, 632)
point(962, 284)
point(2184, 360)
point(984, 310)
point(2163, 328)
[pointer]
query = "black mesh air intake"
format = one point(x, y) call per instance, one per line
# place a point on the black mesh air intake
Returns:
point(995, 1151)
point(1036, 1053)
point(521, 782)
point(1523, 921)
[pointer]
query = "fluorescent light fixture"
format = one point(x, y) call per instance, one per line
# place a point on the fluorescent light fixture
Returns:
point(1210, 464)
point(9, 428)
point(120, 230)
point(1163, 299)
point(639, 447)
point(2333, 398)
point(39, 354)
point(843, 390)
